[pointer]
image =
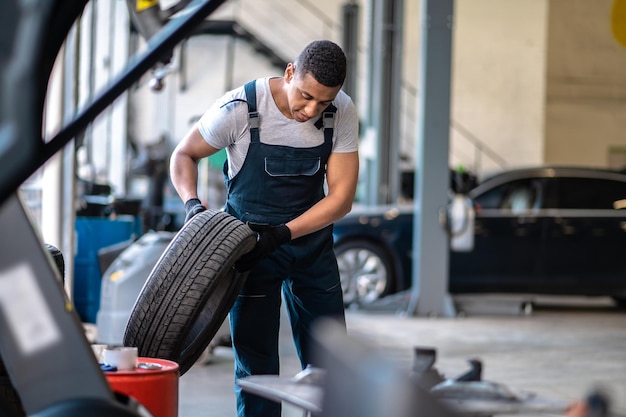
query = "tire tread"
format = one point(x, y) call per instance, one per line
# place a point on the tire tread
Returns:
point(190, 290)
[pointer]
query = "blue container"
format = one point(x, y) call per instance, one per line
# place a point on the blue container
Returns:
point(93, 234)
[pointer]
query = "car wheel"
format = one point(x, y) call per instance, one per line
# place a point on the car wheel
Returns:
point(190, 290)
point(366, 272)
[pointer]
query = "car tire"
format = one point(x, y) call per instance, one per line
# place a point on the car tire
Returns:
point(57, 258)
point(190, 290)
point(620, 302)
point(366, 271)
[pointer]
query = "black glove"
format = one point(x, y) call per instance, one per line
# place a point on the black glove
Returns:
point(193, 206)
point(268, 239)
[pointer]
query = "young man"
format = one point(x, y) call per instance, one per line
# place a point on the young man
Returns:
point(282, 145)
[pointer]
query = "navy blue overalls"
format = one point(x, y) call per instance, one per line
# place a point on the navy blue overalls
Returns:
point(276, 184)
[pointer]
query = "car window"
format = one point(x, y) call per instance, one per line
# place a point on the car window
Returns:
point(516, 196)
point(589, 193)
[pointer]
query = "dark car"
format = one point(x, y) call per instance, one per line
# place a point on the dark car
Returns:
point(544, 230)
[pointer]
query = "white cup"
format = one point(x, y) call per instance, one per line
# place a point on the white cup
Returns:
point(123, 358)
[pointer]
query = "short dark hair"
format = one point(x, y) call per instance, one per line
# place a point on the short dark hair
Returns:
point(325, 61)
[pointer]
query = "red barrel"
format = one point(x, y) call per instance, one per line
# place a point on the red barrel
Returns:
point(154, 383)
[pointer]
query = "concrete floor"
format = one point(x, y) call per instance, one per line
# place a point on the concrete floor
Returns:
point(560, 350)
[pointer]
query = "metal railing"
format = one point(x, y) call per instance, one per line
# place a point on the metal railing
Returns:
point(284, 25)
point(481, 155)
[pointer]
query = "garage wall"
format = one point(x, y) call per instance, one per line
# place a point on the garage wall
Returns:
point(586, 94)
point(498, 81)
point(171, 111)
point(534, 81)
point(189, 91)
point(286, 28)
point(498, 86)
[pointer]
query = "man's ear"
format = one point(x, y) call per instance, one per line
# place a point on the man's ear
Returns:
point(290, 71)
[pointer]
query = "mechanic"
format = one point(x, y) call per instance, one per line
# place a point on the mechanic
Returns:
point(284, 138)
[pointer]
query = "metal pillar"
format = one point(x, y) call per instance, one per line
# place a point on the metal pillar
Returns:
point(229, 71)
point(109, 133)
point(350, 12)
point(385, 64)
point(58, 178)
point(429, 294)
point(52, 172)
point(118, 141)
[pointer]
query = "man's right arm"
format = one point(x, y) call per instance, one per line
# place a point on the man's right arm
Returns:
point(184, 163)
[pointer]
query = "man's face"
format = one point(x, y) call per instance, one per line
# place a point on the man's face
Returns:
point(307, 98)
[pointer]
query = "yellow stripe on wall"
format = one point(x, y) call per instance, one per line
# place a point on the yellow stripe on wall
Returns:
point(618, 21)
point(142, 5)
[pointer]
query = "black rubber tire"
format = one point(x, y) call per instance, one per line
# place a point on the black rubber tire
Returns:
point(620, 302)
point(190, 290)
point(57, 257)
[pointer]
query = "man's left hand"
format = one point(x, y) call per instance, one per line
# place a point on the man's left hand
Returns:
point(193, 206)
point(269, 238)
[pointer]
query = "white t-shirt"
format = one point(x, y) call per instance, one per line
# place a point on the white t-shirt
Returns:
point(227, 127)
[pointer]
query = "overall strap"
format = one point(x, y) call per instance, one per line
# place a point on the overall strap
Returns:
point(253, 114)
point(327, 121)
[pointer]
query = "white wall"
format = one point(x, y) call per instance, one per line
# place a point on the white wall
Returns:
point(498, 84)
point(586, 96)
point(499, 81)
point(498, 75)
point(273, 21)
point(534, 81)
point(171, 110)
